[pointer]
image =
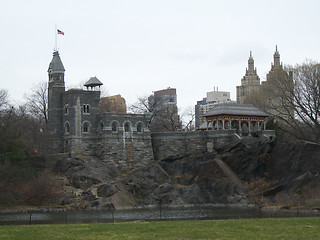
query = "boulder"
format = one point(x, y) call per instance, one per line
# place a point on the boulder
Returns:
point(106, 190)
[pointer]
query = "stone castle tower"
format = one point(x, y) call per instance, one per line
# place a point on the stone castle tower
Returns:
point(76, 126)
point(249, 83)
point(71, 113)
point(56, 88)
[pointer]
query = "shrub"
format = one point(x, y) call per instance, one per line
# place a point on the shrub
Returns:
point(44, 189)
point(255, 190)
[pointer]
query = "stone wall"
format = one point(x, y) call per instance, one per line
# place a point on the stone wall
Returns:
point(178, 144)
point(73, 113)
point(129, 150)
point(122, 150)
point(125, 152)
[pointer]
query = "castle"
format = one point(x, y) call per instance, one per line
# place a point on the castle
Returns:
point(76, 125)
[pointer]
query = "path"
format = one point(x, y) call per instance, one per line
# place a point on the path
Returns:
point(229, 173)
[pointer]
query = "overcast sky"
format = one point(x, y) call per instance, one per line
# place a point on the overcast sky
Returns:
point(135, 47)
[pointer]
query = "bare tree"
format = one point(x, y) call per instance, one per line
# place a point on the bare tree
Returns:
point(12, 147)
point(3, 99)
point(163, 117)
point(188, 117)
point(166, 119)
point(142, 105)
point(295, 101)
point(37, 101)
point(6, 113)
point(104, 92)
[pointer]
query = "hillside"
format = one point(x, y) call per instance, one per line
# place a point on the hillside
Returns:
point(242, 173)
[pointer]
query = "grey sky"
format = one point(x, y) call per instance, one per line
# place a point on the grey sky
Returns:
point(135, 47)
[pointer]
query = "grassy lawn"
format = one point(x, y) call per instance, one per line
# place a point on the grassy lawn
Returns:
point(271, 228)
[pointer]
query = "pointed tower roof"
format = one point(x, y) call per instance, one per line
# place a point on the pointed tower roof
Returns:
point(276, 58)
point(250, 69)
point(56, 63)
point(93, 82)
point(276, 52)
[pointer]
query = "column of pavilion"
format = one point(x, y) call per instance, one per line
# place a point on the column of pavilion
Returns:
point(229, 118)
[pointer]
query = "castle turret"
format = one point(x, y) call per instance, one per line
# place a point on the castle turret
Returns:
point(56, 87)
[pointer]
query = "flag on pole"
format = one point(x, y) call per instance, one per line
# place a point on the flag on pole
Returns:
point(60, 32)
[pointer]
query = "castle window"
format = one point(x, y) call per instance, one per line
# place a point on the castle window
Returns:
point(86, 109)
point(127, 127)
point(66, 109)
point(114, 127)
point(139, 127)
point(100, 127)
point(66, 128)
point(86, 127)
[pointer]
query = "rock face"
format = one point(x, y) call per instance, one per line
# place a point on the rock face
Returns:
point(291, 169)
point(189, 180)
point(218, 177)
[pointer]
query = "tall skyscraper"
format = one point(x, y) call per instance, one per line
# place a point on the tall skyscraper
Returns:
point(278, 89)
point(249, 83)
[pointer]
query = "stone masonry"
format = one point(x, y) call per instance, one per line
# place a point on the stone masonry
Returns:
point(123, 140)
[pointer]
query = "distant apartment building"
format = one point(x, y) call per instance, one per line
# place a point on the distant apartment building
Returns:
point(165, 110)
point(268, 96)
point(206, 104)
point(197, 111)
point(275, 98)
point(113, 104)
point(165, 97)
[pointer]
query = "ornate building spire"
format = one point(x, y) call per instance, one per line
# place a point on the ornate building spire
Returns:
point(276, 58)
point(251, 65)
point(249, 83)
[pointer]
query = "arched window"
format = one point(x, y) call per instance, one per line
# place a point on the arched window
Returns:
point(66, 128)
point(101, 126)
point(86, 127)
point(127, 127)
point(139, 127)
point(66, 109)
point(114, 127)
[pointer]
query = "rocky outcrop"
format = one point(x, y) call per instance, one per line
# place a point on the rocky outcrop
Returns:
point(218, 177)
point(291, 169)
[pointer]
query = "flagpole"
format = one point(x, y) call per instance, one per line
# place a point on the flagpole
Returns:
point(55, 34)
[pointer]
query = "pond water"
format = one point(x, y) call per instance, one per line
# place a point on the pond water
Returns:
point(147, 214)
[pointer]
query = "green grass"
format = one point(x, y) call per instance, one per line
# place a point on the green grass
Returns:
point(271, 228)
